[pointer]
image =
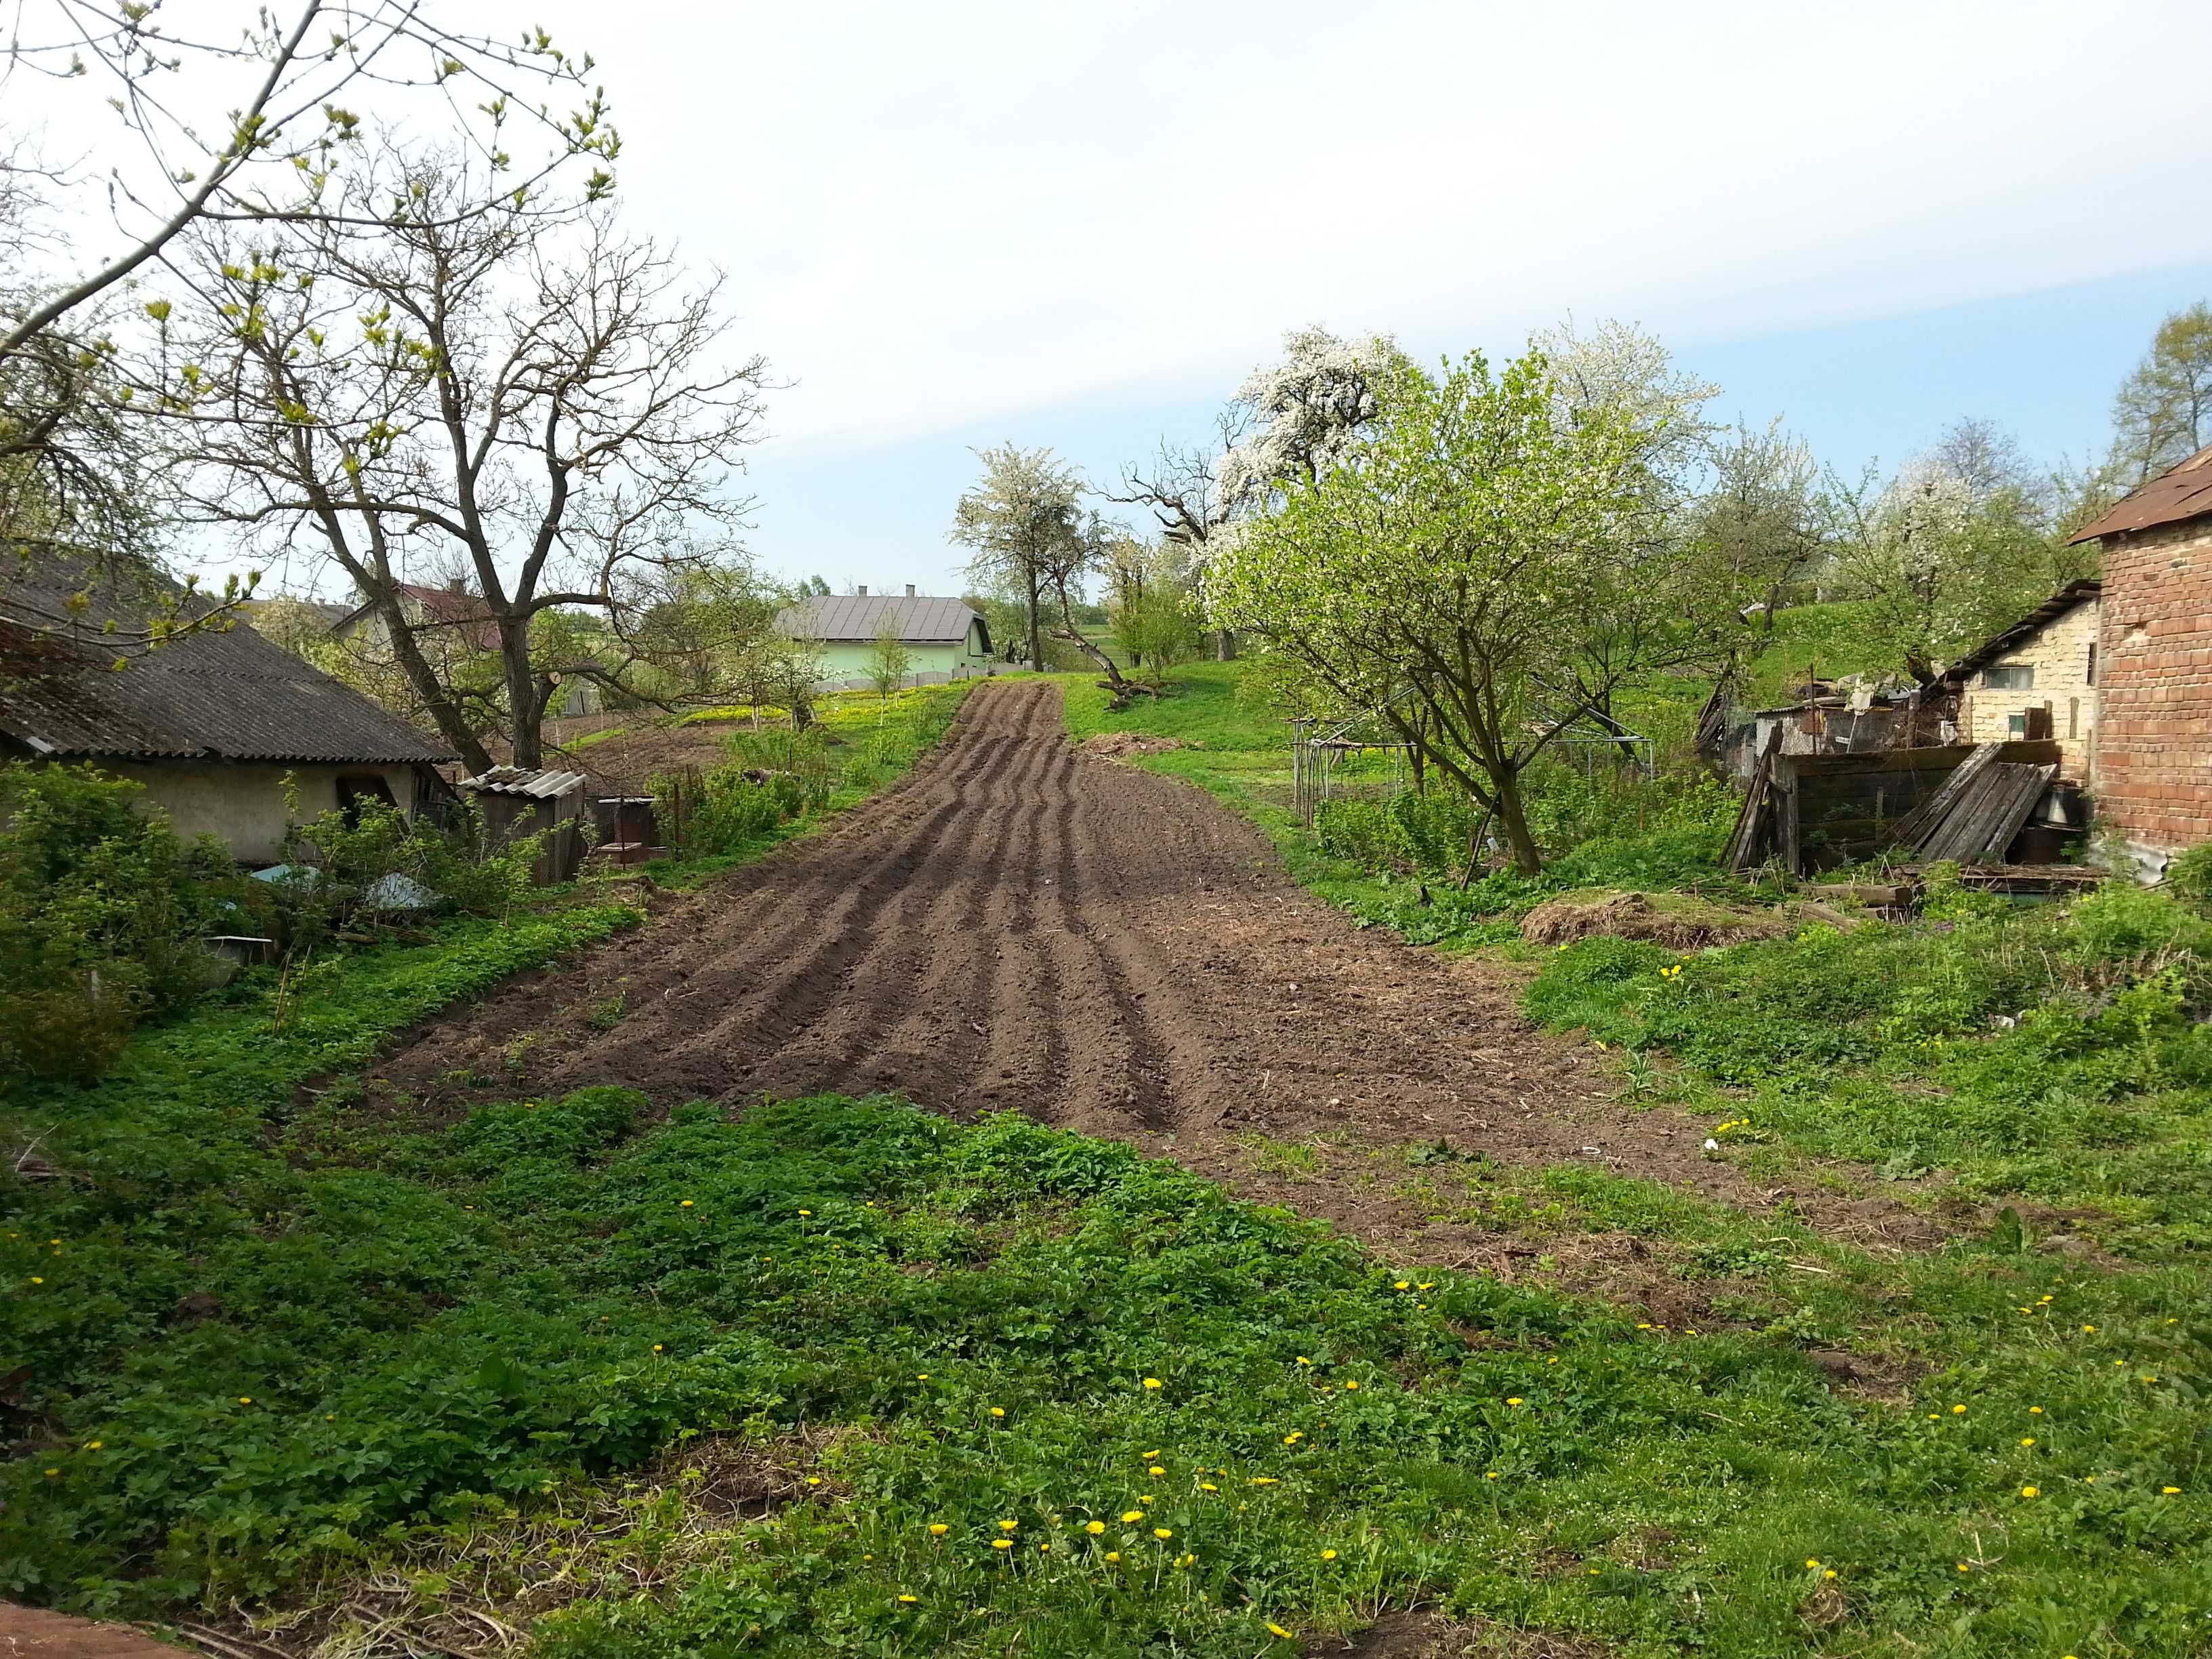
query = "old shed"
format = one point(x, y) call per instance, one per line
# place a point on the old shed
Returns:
point(517, 802)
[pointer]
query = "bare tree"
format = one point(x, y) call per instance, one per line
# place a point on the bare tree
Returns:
point(244, 122)
point(525, 394)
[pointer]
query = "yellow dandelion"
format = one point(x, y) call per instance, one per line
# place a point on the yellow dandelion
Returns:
point(656, 1347)
point(1207, 1486)
point(1002, 1543)
point(1151, 1381)
point(1130, 1517)
point(1292, 1438)
point(51, 1473)
point(1156, 1469)
point(1513, 1400)
point(1303, 1360)
point(1163, 1532)
point(938, 1529)
point(1094, 1527)
point(1328, 1555)
point(35, 1279)
point(1351, 1385)
point(1147, 1457)
point(1265, 1480)
point(813, 1479)
point(1404, 1285)
point(2169, 1491)
point(2031, 1492)
point(1274, 1629)
point(2028, 1440)
point(997, 1411)
point(1810, 1561)
point(1830, 1573)
point(246, 1399)
point(909, 1601)
point(1112, 1555)
point(1492, 1476)
point(806, 1213)
point(685, 1205)
point(1958, 1411)
point(2035, 1410)
point(1008, 1526)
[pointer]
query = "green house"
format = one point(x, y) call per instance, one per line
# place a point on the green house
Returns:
point(944, 639)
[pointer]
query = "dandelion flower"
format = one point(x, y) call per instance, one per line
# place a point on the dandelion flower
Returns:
point(938, 1529)
point(1303, 1360)
point(1328, 1555)
point(1292, 1438)
point(246, 1399)
point(1130, 1517)
point(1492, 1476)
point(1094, 1527)
point(1958, 1411)
point(1151, 1381)
point(1830, 1573)
point(2035, 1410)
point(685, 1205)
point(1810, 1561)
point(1404, 1285)
point(1351, 1385)
point(2031, 1492)
point(1963, 1567)
point(1513, 1400)
point(51, 1473)
point(1274, 1629)
point(2028, 1440)
point(1163, 1532)
point(2169, 1491)
point(1147, 1457)
point(806, 1213)
point(1207, 1486)
point(909, 1600)
point(1112, 1555)
point(1002, 1543)
point(1008, 1526)
point(1156, 1469)
point(922, 1376)
point(1265, 1480)
point(997, 1411)
point(656, 1347)
point(35, 1279)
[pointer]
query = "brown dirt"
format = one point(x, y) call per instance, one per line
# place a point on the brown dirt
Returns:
point(1686, 923)
point(1018, 925)
point(34, 1634)
point(1430, 1635)
point(1118, 745)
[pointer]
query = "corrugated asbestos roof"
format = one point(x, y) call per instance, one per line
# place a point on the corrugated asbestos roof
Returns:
point(524, 781)
point(849, 618)
point(2042, 617)
point(2181, 492)
point(228, 695)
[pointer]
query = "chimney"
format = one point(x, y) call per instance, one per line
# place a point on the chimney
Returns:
point(909, 590)
point(457, 585)
point(862, 590)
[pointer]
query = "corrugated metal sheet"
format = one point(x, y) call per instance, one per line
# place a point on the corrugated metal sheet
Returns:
point(2182, 492)
point(853, 618)
point(536, 781)
point(227, 695)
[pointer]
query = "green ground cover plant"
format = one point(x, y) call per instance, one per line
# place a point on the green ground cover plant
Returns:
point(1145, 1417)
point(2054, 1052)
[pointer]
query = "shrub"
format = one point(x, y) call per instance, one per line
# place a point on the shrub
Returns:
point(356, 861)
point(102, 907)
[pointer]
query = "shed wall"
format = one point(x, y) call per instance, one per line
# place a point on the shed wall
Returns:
point(243, 805)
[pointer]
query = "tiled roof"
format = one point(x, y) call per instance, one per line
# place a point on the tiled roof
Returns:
point(2182, 491)
point(850, 618)
point(227, 695)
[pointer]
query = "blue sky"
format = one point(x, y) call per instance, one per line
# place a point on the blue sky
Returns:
point(2043, 364)
point(1075, 224)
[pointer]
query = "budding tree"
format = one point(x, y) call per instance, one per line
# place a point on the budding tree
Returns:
point(525, 394)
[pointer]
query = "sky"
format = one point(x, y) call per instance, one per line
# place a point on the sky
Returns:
point(1080, 225)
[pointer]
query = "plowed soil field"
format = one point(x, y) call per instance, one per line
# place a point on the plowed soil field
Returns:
point(1018, 925)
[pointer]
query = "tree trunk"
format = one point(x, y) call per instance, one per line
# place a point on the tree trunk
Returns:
point(1224, 646)
point(424, 678)
point(525, 704)
point(1036, 637)
point(1513, 819)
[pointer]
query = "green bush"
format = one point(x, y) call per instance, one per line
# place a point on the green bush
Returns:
point(352, 857)
point(102, 908)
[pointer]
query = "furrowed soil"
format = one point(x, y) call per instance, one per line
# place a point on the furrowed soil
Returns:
point(1017, 925)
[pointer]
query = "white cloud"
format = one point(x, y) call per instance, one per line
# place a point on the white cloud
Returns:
point(936, 214)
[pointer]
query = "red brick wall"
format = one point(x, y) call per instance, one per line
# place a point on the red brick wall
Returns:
point(2154, 686)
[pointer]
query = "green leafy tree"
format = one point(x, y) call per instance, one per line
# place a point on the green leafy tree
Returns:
point(1474, 555)
point(889, 661)
point(1021, 523)
point(2163, 413)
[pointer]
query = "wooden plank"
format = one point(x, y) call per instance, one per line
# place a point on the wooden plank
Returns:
point(1912, 829)
point(1785, 816)
point(1743, 840)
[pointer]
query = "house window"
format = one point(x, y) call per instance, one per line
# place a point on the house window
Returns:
point(2010, 677)
point(2016, 726)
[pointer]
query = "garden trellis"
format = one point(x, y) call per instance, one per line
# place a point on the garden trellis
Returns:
point(1325, 753)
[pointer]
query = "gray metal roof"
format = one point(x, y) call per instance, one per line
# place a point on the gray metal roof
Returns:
point(851, 618)
point(229, 695)
point(539, 783)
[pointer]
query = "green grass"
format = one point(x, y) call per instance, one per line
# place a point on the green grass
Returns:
point(2049, 1054)
point(421, 1333)
point(1831, 640)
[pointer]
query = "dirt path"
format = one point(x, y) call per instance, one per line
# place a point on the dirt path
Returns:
point(1019, 926)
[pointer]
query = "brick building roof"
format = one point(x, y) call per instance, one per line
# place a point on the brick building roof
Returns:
point(2181, 492)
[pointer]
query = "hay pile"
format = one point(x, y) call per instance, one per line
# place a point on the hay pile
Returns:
point(1118, 745)
point(1680, 921)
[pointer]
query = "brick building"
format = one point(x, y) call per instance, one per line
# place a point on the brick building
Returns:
point(2037, 679)
point(2153, 743)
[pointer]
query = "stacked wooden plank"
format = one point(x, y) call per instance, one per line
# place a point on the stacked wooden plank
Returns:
point(1977, 811)
point(1757, 823)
